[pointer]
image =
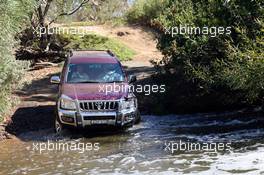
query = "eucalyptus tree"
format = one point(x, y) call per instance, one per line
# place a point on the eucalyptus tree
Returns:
point(47, 12)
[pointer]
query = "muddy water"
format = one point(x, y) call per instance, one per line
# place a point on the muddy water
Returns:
point(142, 149)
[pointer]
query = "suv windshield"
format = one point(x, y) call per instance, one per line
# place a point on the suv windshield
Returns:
point(95, 73)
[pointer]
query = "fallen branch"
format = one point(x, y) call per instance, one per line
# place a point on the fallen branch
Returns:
point(37, 56)
point(46, 64)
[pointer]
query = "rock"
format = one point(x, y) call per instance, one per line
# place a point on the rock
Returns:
point(7, 135)
point(120, 33)
point(3, 134)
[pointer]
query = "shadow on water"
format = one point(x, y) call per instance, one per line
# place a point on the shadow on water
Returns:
point(36, 124)
point(31, 119)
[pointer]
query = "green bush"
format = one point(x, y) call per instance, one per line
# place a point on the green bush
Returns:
point(205, 73)
point(13, 15)
point(93, 41)
point(144, 11)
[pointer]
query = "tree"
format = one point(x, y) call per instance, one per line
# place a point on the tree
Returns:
point(41, 19)
point(107, 10)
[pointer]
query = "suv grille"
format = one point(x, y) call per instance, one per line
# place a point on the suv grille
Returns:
point(99, 117)
point(99, 105)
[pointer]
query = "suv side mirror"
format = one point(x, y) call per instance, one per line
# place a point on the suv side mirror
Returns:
point(132, 79)
point(55, 80)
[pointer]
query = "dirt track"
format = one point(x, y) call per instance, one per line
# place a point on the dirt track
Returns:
point(140, 39)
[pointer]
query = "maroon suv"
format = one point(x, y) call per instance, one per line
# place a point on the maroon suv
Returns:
point(94, 90)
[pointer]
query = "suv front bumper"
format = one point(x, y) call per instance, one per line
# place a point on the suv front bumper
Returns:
point(83, 119)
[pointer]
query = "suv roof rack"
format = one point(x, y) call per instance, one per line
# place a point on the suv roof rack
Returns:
point(108, 51)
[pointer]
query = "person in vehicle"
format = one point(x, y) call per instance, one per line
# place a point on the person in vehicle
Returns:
point(79, 75)
point(112, 72)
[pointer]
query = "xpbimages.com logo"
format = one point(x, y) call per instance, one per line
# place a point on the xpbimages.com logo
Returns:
point(81, 31)
point(147, 89)
point(62, 146)
point(181, 146)
point(191, 30)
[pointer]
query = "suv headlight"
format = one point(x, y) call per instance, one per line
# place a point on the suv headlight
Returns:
point(127, 104)
point(67, 103)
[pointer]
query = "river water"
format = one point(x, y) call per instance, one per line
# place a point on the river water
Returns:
point(143, 149)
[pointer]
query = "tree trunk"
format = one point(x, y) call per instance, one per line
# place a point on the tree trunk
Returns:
point(43, 30)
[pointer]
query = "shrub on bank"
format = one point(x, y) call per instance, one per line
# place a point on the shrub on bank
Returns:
point(143, 11)
point(205, 73)
point(12, 16)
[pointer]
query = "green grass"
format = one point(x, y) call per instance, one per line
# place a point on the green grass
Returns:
point(92, 41)
point(76, 24)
